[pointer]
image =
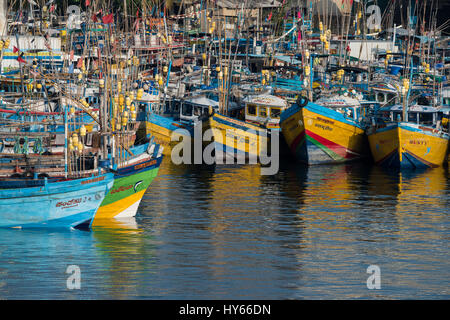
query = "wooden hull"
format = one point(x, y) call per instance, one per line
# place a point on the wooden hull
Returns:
point(54, 205)
point(130, 184)
point(238, 139)
point(407, 145)
point(319, 135)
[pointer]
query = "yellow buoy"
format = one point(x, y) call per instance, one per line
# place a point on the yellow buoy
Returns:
point(82, 131)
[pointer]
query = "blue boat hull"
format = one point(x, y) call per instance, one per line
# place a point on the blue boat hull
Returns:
point(62, 204)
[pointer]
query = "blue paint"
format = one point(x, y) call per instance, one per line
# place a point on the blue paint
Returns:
point(60, 204)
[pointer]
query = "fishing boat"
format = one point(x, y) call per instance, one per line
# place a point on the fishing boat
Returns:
point(331, 130)
point(131, 180)
point(419, 142)
point(177, 121)
point(47, 203)
point(246, 133)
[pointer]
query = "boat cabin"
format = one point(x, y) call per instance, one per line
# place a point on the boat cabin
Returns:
point(423, 115)
point(192, 109)
point(264, 110)
point(385, 93)
point(348, 106)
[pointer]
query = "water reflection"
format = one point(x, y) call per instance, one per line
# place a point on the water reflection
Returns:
point(226, 232)
point(125, 255)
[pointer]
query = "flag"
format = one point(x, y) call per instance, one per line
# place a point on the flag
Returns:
point(108, 18)
point(20, 59)
point(71, 68)
point(87, 3)
point(80, 63)
point(96, 16)
point(52, 8)
point(71, 55)
point(15, 49)
point(270, 16)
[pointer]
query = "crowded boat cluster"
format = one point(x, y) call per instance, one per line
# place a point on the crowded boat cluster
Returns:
point(94, 94)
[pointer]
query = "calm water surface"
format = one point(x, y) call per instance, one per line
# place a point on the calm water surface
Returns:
point(230, 233)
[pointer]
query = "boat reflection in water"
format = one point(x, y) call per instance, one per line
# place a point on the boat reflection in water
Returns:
point(125, 254)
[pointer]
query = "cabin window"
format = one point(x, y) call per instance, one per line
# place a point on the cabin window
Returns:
point(391, 98)
point(397, 116)
point(251, 110)
point(446, 101)
point(198, 111)
point(380, 97)
point(275, 113)
point(412, 116)
point(186, 110)
point(426, 118)
point(263, 112)
point(141, 107)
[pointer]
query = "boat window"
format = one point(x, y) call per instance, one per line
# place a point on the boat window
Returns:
point(426, 118)
point(263, 112)
point(380, 97)
point(186, 110)
point(397, 116)
point(275, 113)
point(251, 109)
point(141, 107)
point(197, 111)
point(391, 97)
point(412, 116)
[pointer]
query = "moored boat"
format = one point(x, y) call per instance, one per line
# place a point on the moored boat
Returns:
point(43, 203)
point(131, 181)
point(246, 132)
point(329, 133)
point(420, 142)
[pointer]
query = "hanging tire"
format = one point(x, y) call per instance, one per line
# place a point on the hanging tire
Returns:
point(302, 101)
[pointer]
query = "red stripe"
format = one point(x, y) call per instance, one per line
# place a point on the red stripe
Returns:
point(297, 140)
point(340, 150)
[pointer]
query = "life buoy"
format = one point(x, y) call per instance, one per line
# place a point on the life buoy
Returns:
point(302, 101)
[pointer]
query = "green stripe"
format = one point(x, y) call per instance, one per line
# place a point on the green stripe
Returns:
point(328, 151)
point(128, 185)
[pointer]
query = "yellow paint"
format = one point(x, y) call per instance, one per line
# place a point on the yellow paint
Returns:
point(113, 209)
point(162, 136)
point(245, 141)
point(430, 148)
point(343, 134)
point(292, 127)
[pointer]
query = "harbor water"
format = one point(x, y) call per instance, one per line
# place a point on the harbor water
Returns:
point(227, 232)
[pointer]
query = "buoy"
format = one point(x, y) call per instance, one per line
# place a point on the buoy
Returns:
point(82, 131)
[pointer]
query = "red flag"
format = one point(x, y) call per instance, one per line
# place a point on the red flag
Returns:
point(20, 59)
point(80, 63)
point(108, 18)
point(87, 3)
point(270, 16)
point(15, 49)
point(94, 18)
point(52, 8)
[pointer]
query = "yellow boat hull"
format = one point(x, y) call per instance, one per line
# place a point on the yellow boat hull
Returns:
point(407, 145)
